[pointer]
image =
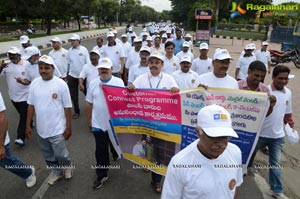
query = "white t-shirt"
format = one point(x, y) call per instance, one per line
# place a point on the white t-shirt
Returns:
point(77, 58)
point(95, 96)
point(126, 47)
point(202, 66)
point(273, 124)
point(162, 81)
point(133, 58)
point(136, 71)
point(17, 92)
point(31, 71)
point(89, 72)
point(263, 56)
point(49, 99)
point(191, 175)
point(100, 50)
point(161, 50)
point(171, 65)
point(185, 80)
point(182, 54)
point(3, 108)
point(138, 150)
point(210, 80)
point(243, 64)
point(114, 53)
point(61, 60)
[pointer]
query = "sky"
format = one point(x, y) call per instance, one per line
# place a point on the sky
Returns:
point(158, 5)
point(282, 1)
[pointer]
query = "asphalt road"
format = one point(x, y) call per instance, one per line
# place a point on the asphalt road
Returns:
point(125, 182)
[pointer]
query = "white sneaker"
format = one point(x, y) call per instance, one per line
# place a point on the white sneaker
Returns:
point(31, 180)
point(68, 173)
point(54, 178)
point(19, 142)
point(278, 195)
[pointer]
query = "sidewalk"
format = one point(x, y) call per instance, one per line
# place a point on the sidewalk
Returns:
point(44, 42)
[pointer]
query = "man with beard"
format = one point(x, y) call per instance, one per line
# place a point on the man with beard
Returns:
point(211, 166)
point(98, 117)
point(218, 78)
point(155, 79)
point(18, 93)
point(185, 77)
point(49, 98)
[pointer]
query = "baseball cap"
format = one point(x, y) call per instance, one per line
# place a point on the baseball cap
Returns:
point(95, 51)
point(253, 46)
point(186, 44)
point(264, 43)
point(203, 46)
point(149, 38)
point(30, 51)
point(13, 50)
point(105, 63)
point(157, 55)
point(115, 31)
point(137, 39)
point(145, 48)
point(56, 39)
point(74, 37)
point(24, 39)
point(188, 35)
point(186, 58)
point(221, 54)
point(130, 29)
point(47, 59)
point(144, 29)
point(169, 31)
point(215, 121)
point(164, 35)
point(110, 34)
point(248, 47)
point(123, 35)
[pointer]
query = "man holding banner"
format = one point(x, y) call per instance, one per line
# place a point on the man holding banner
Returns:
point(156, 80)
point(98, 117)
point(210, 167)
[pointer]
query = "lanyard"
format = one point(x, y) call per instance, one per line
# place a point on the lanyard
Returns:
point(157, 83)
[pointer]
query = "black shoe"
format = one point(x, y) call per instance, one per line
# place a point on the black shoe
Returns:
point(115, 158)
point(99, 182)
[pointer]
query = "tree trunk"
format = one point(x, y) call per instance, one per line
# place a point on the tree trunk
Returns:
point(78, 22)
point(49, 23)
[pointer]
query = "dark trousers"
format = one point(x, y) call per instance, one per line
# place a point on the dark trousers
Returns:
point(156, 178)
point(73, 87)
point(101, 153)
point(22, 110)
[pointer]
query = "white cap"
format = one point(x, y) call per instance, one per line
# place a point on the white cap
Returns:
point(115, 31)
point(169, 31)
point(123, 35)
point(105, 63)
point(133, 34)
point(130, 29)
point(264, 43)
point(47, 59)
point(253, 46)
point(248, 47)
point(74, 37)
point(95, 51)
point(24, 39)
point(145, 30)
point(149, 38)
point(137, 39)
point(30, 51)
point(186, 58)
point(164, 35)
point(156, 31)
point(56, 39)
point(186, 44)
point(188, 35)
point(110, 34)
point(221, 54)
point(157, 55)
point(203, 46)
point(145, 48)
point(215, 121)
point(13, 50)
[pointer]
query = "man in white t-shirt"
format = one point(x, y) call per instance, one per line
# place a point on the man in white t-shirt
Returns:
point(188, 37)
point(243, 63)
point(89, 71)
point(211, 166)
point(59, 55)
point(98, 117)
point(157, 46)
point(218, 78)
point(49, 98)
point(7, 160)
point(203, 64)
point(100, 46)
point(126, 46)
point(140, 68)
point(185, 51)
point(185, 77)
point(25, 43)
point(264, 56)
point(155, 79)
point(17, 92)
point(171, 62)
point(139, 148)
point(272, 132)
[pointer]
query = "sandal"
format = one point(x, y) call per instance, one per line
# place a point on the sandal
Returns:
point(157, 187)
point(75, 116)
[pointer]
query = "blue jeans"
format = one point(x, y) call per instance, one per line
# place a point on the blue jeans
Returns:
point(14, 165)
point(275, 146)
point(55, 153)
